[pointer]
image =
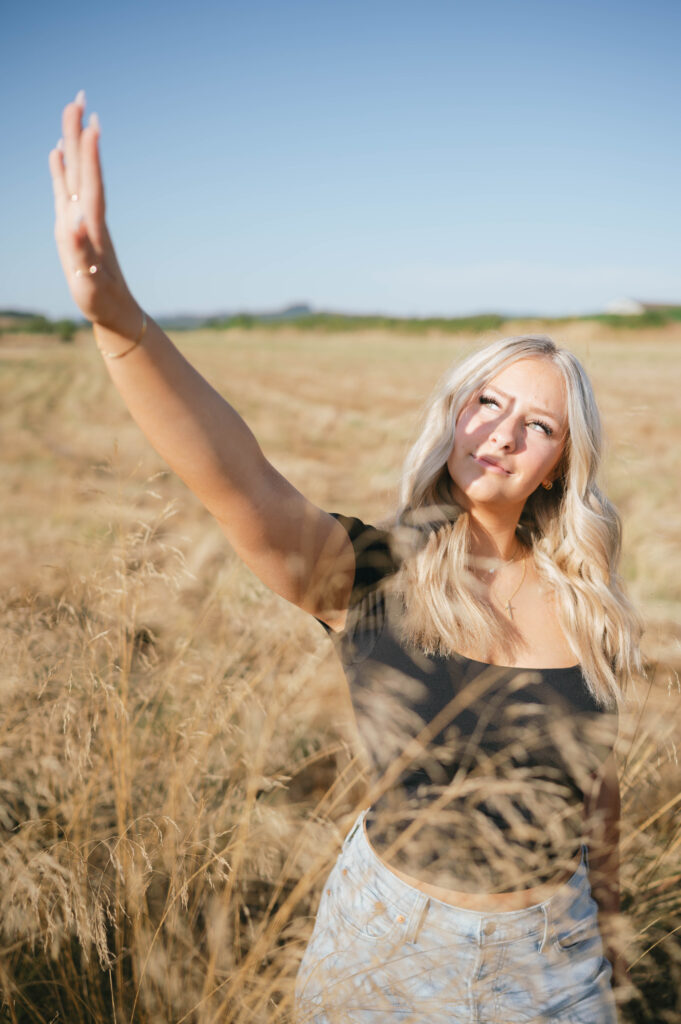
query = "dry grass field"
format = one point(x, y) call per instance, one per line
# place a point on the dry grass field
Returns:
point(178, 758)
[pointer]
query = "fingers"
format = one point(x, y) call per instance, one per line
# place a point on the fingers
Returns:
point(56, 162)
point(76, 174)
point(91, 185)
point(67, 212)
point(71, 121)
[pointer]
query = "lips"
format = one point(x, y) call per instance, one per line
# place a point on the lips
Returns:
point(489, 462)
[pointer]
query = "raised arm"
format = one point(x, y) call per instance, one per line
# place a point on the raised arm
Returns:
point(294, 547)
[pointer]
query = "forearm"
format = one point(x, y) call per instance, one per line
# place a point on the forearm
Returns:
point(605, 889)
point(281, 536)
point(604, 870)
point(199, 435)
point(603, 834)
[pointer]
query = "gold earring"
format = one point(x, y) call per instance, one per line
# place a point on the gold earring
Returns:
point(548, 486)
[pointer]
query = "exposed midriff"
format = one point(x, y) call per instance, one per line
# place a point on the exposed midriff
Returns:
point(483, 902)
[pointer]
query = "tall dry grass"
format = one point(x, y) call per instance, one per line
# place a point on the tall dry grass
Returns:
point(179, 760)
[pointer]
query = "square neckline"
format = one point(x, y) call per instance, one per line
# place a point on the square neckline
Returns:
point(513, 668)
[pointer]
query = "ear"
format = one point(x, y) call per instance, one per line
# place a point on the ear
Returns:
point(548, 482)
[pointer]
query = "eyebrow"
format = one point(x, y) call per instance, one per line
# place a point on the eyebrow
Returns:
point(535, 408)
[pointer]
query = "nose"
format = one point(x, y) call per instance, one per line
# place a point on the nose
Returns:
point(505, 433)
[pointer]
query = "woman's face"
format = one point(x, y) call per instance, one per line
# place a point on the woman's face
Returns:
point(510, 437)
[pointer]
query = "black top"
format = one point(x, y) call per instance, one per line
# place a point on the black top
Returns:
point(490, 797)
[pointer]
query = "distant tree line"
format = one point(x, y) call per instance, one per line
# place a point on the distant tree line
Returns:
point(348, 322)
point(302, 318)
point(444, 325)
point(13, 322)
point(648, 318)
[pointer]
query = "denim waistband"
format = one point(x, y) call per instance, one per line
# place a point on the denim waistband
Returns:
point(483, 927)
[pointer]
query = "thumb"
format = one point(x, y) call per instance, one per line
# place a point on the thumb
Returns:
point(83, 249)
point(78, 224)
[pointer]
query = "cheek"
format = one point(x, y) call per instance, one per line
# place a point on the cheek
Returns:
point(547, 463)
point(466, 426)
point(465, 442)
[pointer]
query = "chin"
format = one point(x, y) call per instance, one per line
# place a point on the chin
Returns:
point(493, 496)
point(475, 496)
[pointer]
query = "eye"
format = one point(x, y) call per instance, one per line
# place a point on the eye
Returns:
point(542, 426)
point(487, 400)
point(492, 402)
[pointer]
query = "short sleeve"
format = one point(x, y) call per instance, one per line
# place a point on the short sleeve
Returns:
point(373, 557)
point(374, 563)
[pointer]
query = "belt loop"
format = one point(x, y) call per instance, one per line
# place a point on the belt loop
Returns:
point(545, 912)
point(417, 917)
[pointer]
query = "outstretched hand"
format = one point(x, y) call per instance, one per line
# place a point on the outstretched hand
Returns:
point(83, 242)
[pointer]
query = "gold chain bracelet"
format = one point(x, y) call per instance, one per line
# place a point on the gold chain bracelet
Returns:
point(119, 355)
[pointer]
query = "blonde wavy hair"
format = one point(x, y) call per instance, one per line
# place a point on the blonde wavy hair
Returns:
point(572, 530)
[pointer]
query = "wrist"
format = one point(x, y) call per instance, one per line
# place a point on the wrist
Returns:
point(115, 331)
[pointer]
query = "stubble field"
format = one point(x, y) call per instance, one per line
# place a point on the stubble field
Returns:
point(178, 757)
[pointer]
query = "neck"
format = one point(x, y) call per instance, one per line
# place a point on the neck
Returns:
point(492, 536)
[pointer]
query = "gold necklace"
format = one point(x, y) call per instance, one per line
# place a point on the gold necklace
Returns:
point(507, 603)
point(495, 568)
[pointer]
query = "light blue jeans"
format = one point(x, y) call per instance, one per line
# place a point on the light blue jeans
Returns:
point(381, 951)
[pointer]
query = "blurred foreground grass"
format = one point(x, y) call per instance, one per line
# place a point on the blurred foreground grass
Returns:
point(178, 759)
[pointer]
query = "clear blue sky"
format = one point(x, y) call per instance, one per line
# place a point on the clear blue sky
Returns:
point(428, 157)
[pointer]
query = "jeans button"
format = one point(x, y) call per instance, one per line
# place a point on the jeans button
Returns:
point(489, 928)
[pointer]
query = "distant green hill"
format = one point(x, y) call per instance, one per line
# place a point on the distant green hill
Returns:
point(305, 318)
point(20, 322)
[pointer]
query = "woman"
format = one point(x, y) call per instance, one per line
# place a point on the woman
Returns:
point(486, 641)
